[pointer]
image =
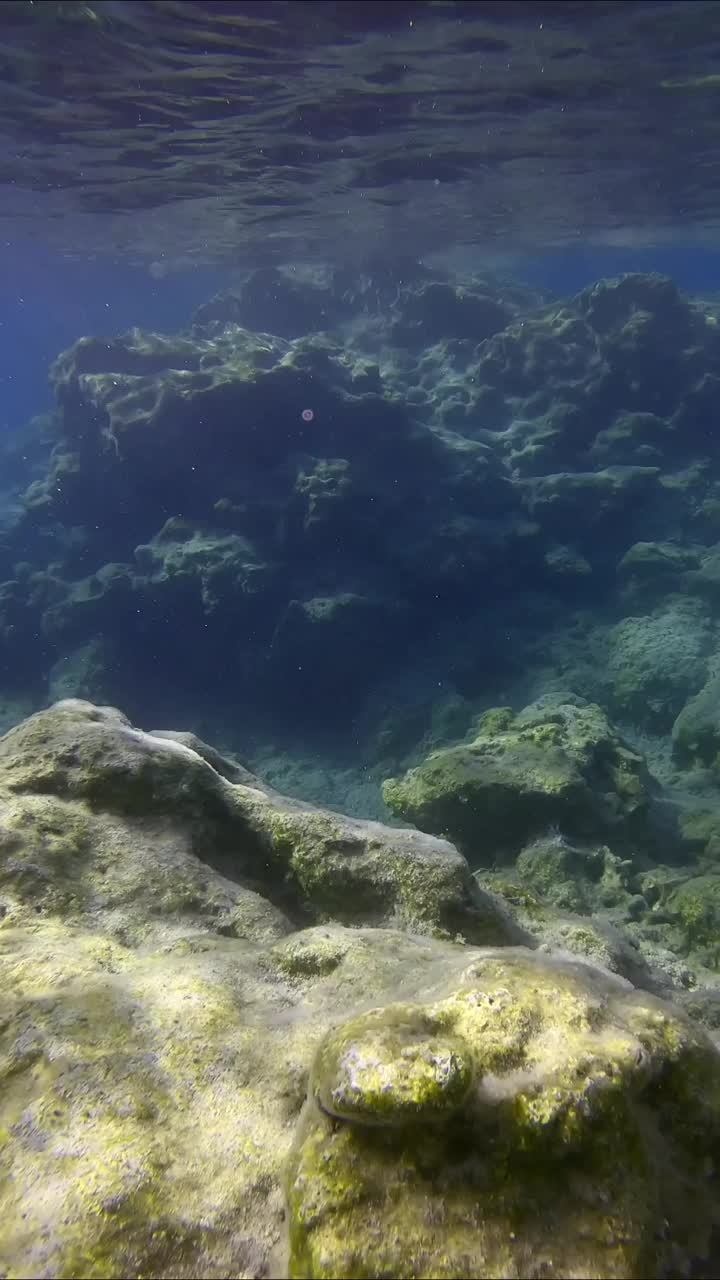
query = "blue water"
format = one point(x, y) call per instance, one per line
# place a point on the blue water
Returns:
point(48, 301)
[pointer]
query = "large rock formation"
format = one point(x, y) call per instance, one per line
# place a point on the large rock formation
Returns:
point(479, 1135)
point(306, 509)
point(558, 763)
point(241, 1036)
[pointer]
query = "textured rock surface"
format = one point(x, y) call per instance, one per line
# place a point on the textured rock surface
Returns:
point(478, 1134)
point(490, 499)
point(696, 731)
point(183, 1063)
point(556, 763)
point(656, 662)
point(64, 767)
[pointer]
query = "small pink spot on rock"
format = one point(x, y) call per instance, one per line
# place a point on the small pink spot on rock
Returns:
point(307, 415)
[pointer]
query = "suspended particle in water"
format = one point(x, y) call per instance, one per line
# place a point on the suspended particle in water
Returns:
point(307, 415)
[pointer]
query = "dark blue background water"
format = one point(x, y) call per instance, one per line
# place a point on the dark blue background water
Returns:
point(696, 270)
point(48, 301)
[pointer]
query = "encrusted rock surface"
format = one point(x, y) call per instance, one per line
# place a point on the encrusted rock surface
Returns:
point(74, 771)
point(204, 1073)
point(458, 540)
point(480, 1134)
point(556, 763)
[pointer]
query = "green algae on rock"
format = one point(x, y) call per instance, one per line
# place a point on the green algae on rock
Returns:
point(656, 662)
point(575, 877)
point(553, 453)
point(391, 1066)
point(181, 1065)
point(552, 428)
point(696, 731)
point(556, 763)
point(694, 908)
point(102, 783)
point(585, 1145)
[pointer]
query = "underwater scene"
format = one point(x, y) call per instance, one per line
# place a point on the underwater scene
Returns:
point(360, 639)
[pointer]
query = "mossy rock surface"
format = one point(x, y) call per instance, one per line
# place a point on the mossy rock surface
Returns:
point(575, 877)
point(479, 1134)
point(656, 661)
point(557, 763)
point(182, 1067)
point(696, 731)
point(79, 779)
point(694, 909)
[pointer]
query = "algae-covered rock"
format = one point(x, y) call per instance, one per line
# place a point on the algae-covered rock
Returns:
point(290, 506)
point(572, 500)
point(557, 763)
point(80, 785)
point(159, 1008)
point(392, 1067)
point(479, 1134)
point(361, 871)
point(163, 1023)
point(203, 564)
point(322, 493)
point(649, 564)
point(149, 1096)
point(694, 908)
point(620, 940)
point(655, 662)
point(696, 731)
point(575, 877)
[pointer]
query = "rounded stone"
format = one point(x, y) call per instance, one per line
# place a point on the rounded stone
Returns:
point(391, 1066)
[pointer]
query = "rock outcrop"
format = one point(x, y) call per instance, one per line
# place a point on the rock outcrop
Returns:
point(239, 1036)
point(558, 763)
point(271, 498)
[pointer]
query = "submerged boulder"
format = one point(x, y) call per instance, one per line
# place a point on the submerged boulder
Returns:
point(696, 731)
point(656, 661)
point(536, 1119)
point(85, 796)
point(196, 1047)
point(557, 763)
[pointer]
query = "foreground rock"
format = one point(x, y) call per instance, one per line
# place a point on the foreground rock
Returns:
point(187, 1071)
point(125, 828)
point(478, 1134)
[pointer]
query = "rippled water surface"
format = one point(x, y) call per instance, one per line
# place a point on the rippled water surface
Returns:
point(207, 131)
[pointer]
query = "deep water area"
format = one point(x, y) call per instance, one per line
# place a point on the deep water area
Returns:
point(359, 640)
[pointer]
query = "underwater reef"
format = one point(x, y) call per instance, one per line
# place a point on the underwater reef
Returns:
point(416, 970)
point(241, 1035)
point(303, 511)
point(351, 512)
